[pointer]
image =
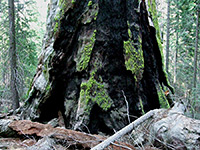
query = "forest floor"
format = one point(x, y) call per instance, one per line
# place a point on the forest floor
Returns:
point(25, 134)
point(163, 128)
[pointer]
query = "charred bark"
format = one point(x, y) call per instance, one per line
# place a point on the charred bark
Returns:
point(101, 56)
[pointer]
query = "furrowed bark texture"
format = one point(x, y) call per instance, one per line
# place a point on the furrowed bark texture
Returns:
point(98, 56)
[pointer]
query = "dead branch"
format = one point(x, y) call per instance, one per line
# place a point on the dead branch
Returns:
point(124, 131)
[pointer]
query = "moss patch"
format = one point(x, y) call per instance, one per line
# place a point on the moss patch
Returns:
point(63, 6)
point(162, 98)
point(95, 92)
point(134, 59)
point(91, 12)
point(73, 1)
point(30, 88)
point(83, 56)
point(57, 21)
point(89, 3)
point(141, 106)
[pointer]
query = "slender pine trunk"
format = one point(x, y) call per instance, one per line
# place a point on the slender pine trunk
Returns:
point(168, 36)
point(12, 54)
point(195, 61)
point(196, 49)
point(177, 47)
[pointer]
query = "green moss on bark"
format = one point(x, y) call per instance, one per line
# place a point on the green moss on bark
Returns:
point(84, 55)
point(89, 3)
point(95, 92)
point(95, 17)
point(141, 106)
point(134, 60)
point(90, 13)
point(73, 1)
point(162, 98)
point(63, 6)
point(30, 88)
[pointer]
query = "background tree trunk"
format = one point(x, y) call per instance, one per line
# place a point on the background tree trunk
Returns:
point(100, 66)
point(168, 36)
point(177, 47)
point(196, 59)
point(196, 47)
point(13, 57)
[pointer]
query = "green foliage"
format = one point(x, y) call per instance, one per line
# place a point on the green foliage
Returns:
point(62, 4)
point(95, 18)
point(4, 47)
point(5, 110)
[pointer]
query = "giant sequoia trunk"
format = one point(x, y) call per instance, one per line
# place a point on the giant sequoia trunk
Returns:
point(100, 67)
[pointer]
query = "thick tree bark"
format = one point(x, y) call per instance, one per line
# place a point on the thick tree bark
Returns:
point(13, 57)
point(99, 57)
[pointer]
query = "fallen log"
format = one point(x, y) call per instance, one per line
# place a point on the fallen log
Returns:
point(70, 138)
point(163, 128)
point(171, 129)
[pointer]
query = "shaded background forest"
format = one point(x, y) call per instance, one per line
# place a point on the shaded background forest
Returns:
point(30, 28)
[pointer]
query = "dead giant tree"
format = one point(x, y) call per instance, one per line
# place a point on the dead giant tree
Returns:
point(101, 65)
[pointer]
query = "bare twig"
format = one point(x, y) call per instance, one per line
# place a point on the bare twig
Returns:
point(127, 107)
